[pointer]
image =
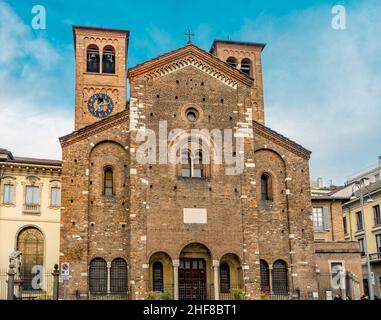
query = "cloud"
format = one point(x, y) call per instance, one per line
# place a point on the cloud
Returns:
point(33, 105)
point(323, 86)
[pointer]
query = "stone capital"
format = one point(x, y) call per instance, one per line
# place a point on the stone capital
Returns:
point(176, 263)
point(216, 263)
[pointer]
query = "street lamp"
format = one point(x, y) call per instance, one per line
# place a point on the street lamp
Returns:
point(360, 185)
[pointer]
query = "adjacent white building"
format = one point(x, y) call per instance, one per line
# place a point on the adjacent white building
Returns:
point(30, 206)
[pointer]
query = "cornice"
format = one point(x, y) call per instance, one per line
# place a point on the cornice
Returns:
point(190, 55)
point(281, 140)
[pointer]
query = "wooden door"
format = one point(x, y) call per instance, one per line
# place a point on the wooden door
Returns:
point(192, 279)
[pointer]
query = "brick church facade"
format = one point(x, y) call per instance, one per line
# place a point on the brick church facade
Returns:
point(187, 228)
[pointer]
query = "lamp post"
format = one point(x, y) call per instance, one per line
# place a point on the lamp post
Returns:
point(360, 185)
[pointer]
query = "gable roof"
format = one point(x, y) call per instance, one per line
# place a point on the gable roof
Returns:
point(95, 127)
point(281, 140)
point(190, 54)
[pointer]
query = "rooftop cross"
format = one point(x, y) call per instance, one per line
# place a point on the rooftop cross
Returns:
point(190, 35)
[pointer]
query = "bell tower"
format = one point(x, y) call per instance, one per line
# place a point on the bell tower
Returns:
point(101, 62)
point(246, 57)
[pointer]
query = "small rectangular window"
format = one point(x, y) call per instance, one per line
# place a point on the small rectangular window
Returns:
point(8, 194)
point(362, 247)
point(378, 242)
point(55, 197)
point(360, 225)
point(32, 195)
point(377, 215)
point(345, 225)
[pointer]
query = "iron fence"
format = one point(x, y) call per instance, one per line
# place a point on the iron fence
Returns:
point(3, 284)
point(39, 287)
point(232, 292)
point(166, 291)
point(107, 296)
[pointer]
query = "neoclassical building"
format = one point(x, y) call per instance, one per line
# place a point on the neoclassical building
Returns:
point(221, 217)
point(29, 214)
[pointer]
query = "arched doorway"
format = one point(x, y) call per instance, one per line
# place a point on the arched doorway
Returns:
point(30, 242)
point(194, 272)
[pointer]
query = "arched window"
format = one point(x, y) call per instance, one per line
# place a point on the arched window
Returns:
point(108, 186)
point(197, 165)
point(92, 58)
point(118, 276)
point(185, 163)
point(266, 187)
point(246, 66)
point(30, 242)
point(280, 278)
point(224, 277)
point(157, 277)
point(231, 61)
point(192, 164)
point(98, 276)
point(265, 276)
point(108, 60)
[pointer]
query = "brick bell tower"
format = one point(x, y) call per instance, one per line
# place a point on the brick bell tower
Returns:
point(101, 60)
point(246, 57)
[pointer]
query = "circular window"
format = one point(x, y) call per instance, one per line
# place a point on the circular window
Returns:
point(192, 114)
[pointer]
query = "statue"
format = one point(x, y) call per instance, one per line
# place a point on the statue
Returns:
point(15, 263)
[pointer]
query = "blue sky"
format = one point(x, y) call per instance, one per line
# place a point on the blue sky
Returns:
point(322, 86)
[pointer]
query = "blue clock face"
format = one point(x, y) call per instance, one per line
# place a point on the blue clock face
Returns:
point(100, 105)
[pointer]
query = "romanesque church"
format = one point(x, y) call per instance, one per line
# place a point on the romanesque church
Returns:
point(187, 229)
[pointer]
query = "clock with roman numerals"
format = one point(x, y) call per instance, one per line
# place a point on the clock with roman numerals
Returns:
point(100, 105)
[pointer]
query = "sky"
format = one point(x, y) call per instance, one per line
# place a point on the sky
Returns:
point(322, 86)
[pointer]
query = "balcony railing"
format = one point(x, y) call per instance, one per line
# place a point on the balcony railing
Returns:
point(31, 208)
point(194, 291)
point(375, 256)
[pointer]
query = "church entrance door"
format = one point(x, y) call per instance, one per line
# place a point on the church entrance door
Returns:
point(192, 279)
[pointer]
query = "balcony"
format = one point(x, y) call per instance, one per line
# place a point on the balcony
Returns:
point(375, 257)
point(31, 208)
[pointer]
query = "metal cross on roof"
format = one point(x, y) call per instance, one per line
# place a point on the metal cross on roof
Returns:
point(190, 35)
